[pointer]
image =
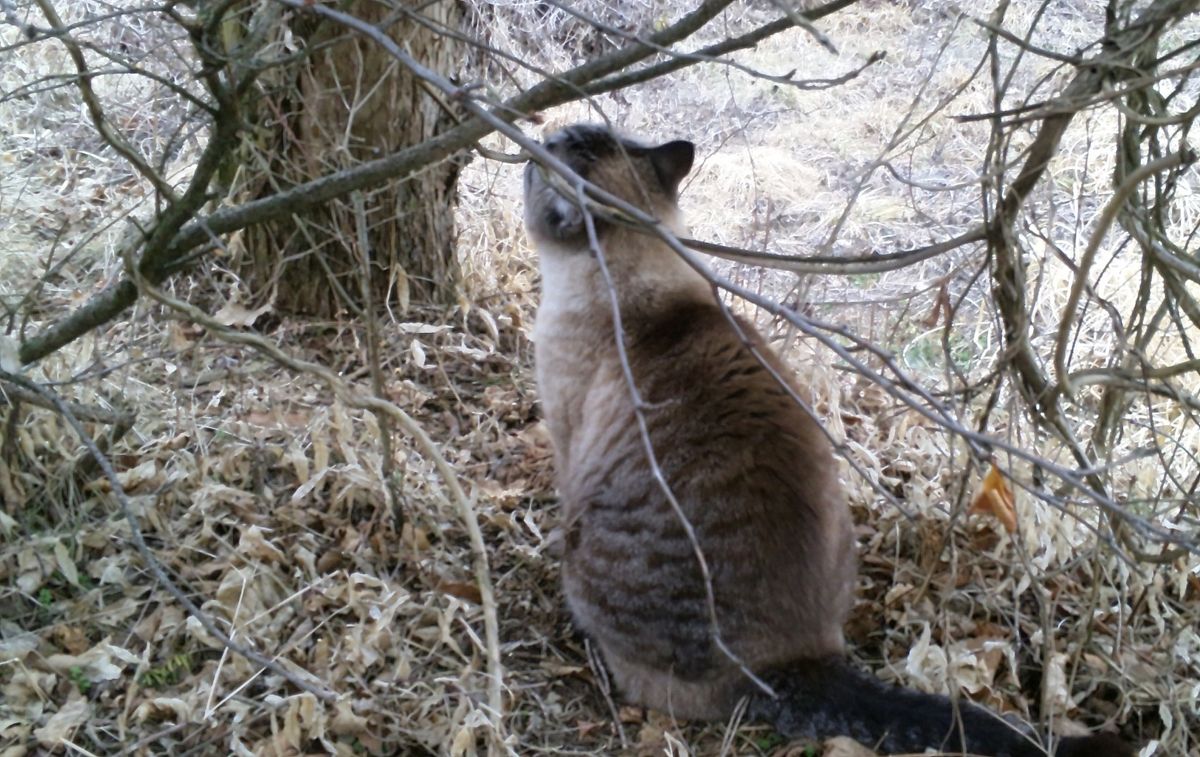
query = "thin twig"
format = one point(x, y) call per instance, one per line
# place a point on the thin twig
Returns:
point(89, 413)
point(1183, 157)
point(387, 467)
point(834, 265)
point(106, 131)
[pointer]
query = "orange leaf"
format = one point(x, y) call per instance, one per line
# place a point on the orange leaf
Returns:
point(469, 592)
point(996, 499)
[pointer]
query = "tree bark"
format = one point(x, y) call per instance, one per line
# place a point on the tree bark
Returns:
point(346, 103)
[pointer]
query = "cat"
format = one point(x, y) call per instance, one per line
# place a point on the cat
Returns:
point(751, 471)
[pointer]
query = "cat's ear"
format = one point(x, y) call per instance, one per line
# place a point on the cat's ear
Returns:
point(672, 162)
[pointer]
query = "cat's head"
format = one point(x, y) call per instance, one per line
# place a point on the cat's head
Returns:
point(645, 176)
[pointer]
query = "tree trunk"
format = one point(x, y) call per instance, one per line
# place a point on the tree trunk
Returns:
point(346, 102)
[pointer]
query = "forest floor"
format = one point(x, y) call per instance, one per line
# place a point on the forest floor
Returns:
point(263, 497)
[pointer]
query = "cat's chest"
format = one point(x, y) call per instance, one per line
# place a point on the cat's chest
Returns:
point(569, 354)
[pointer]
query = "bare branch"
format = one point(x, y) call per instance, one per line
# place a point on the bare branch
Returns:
point(90, 413)
point(1185, 156)
point(106, 131)
point(171, 241)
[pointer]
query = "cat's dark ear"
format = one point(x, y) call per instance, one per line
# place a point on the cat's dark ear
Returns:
point(672, 162)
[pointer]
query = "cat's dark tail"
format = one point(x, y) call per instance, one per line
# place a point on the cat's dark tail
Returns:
point(827, 697)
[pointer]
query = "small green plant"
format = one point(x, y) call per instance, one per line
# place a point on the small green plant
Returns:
point(79, 678)
point(769, 741)
point(168, 673)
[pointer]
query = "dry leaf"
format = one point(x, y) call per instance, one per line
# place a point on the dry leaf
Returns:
point(586, 728)
point(10, 354)
point(558, 669)
point(941, 305)
point(996, 499)
point(66, 566)
point(71, 638)
point(841, 746)
point(460, 589)
point(233, 314)
point(254, 543)
point(463, 743)
point(346, 721)
point(163, 708)
point(178, 336)
point(416, 353)
point(144, 474)
point(15, 643)
point(63, 723)
point(103, 662)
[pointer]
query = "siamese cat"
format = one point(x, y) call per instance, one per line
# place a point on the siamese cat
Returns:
point(751, 471)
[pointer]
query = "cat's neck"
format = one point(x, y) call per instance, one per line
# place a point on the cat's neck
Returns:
point(646, 274)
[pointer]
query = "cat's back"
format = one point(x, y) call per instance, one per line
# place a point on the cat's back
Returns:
point(752, 475)
point(723, 404)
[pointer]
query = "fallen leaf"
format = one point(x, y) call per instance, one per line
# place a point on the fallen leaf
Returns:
point(163, 709)
point(346, 722)
point(469, 592)
point(10, 354)
point(103, 662)
point(941, 305)
point(16, 643)
point(558, 669)
point(840, 746)
point(145, 474)
point(233, 314)
point(587, 727)
point(463, 743)
point(416, 353)
point(254, 543)
point(66, 566)
point(996, 499)
point(71, 638)
point(63, 723)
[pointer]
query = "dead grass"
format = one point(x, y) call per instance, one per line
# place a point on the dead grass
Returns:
point(264, 498)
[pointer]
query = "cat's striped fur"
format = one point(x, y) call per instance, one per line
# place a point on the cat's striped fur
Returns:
point(751, 470)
